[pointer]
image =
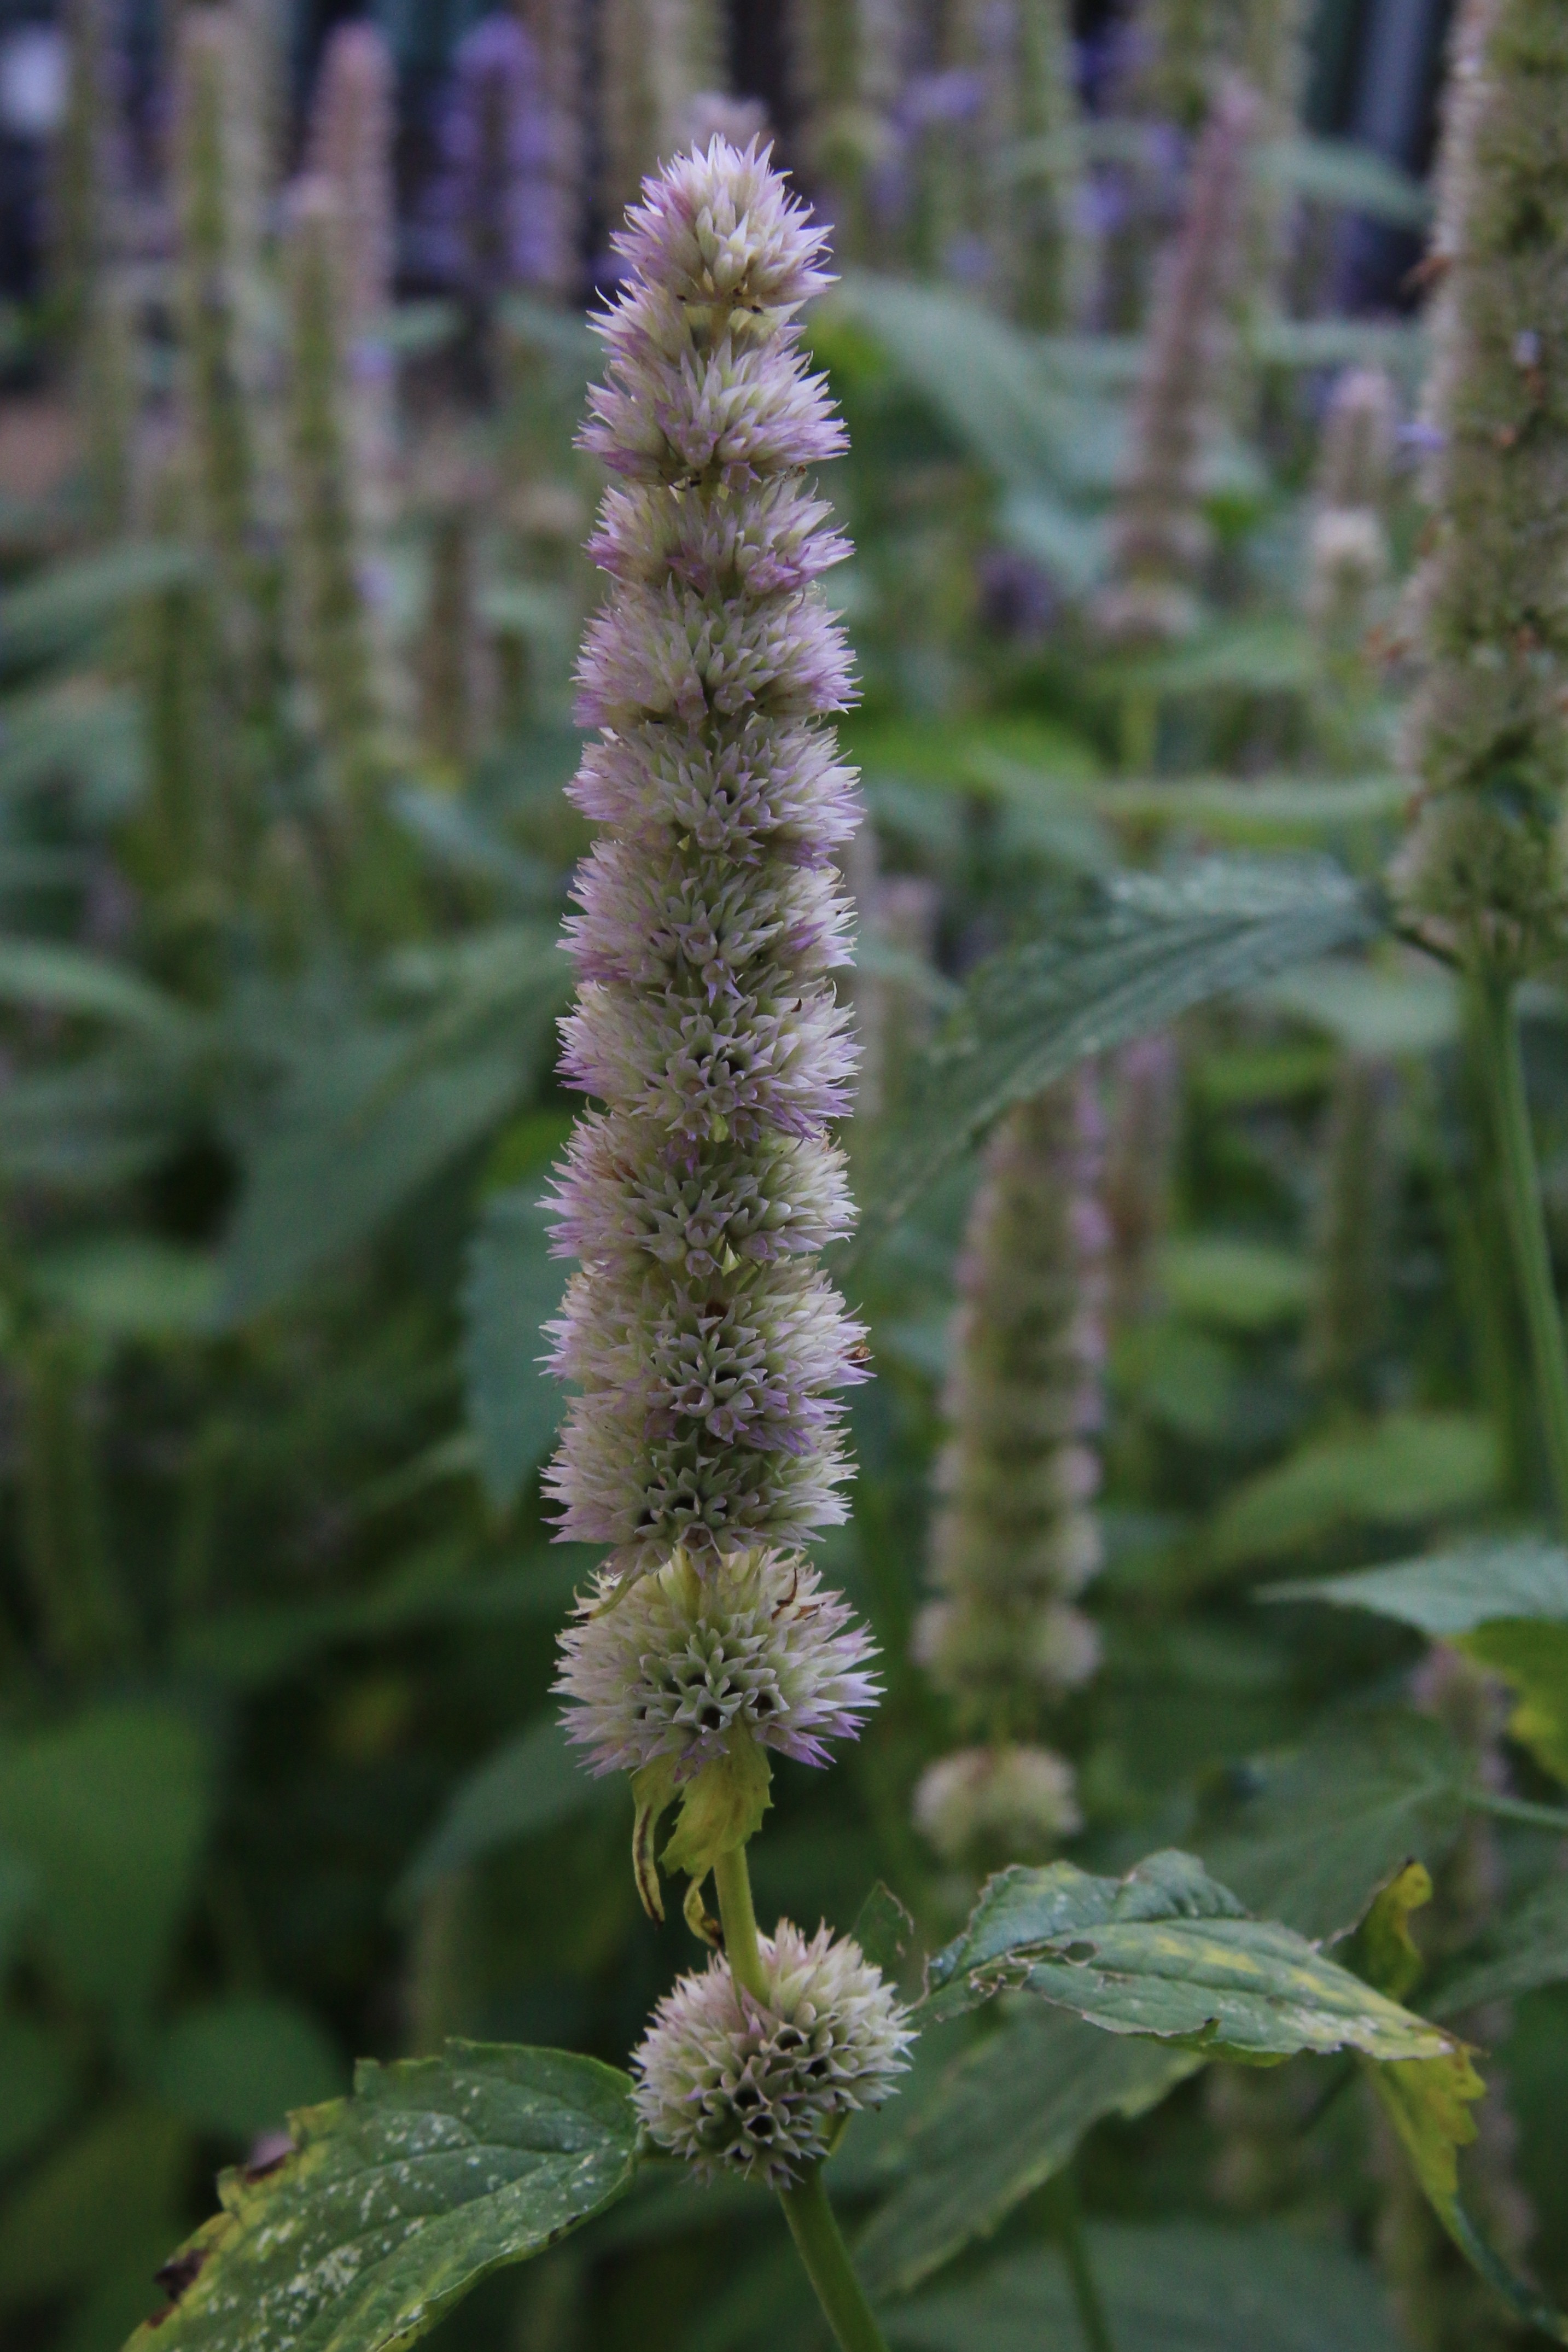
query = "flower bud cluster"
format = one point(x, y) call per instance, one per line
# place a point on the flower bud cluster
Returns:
point(1159, 535)
point(1483, 874)
point(1015, 1541)
point(759, 2089)
point(706, 1344)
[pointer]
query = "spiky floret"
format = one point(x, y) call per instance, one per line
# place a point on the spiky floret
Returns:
point(708, 1346)
point(737, 2086)
point(1484, 873)
point(673, 1666)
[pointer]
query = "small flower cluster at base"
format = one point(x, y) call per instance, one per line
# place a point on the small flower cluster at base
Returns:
point(736, 2086)
point(1014, 1802)
point(672, 1664)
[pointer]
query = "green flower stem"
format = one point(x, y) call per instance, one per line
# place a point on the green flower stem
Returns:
point(732, 1883)
point(806, 2208)
point(821, 2248)
point(1504, 1070)
point(1517, 1809)
point(1092, 2314)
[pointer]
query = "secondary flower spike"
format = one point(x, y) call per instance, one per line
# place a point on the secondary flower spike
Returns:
point(706, 1343)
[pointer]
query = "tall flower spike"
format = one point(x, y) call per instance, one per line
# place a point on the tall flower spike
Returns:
point(845, 70)
point(1158, 535)
point(351, 131)
point(497, 196)
point(658, 55)
point(1020, 55)
point(1347, 543)
point(556, 28)
point(1015, 1541)
point(707, 1345)
point(1484, 873)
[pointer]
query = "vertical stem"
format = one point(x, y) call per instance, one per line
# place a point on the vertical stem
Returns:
point(816, 2233)
point(826, 2258)
point(732, 1883)
point(1504, 1071)
point(1092, 2314)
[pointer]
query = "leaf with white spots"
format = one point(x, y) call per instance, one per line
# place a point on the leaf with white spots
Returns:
point(395, 2202)
point(1167, 1951)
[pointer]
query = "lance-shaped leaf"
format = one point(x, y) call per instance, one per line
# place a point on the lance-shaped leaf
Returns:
point(1147, 949)
point(1167, 1951)
point(396, 2202)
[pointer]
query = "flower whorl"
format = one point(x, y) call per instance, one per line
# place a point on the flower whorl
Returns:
point(736, 2086)
point(674, 1666)
point(706, 1344)
point(1484, 871)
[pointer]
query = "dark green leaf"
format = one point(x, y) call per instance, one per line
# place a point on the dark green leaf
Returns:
point(1270, 813)
point(1396, 1472)
point(1168, 1951)
point(1244, 1286)
point(1151, 948)
point(111, 1810)
point(513, 1288)
point(1322, 1828)
point(1452, 1591)
point(59, 979)
point(1526, 1949)
point(114, 2190)
point(131, 1287)
point(1008, 2116)
point(529, 1785)
point(238, 2066)
point(60, 605)
point(398, 2201)
point(1196, 2287)
point(883, 1929)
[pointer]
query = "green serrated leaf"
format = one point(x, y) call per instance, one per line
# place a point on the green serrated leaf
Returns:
point(1192, 2286)
point(1152, 947)
point(531, 1784)
point(513, 1288)
point(1169, 1952)
point(1321, 1829)
point(1404, 1468)
point(1008, 2116)
point(398, 2201)
point(1386, 1953)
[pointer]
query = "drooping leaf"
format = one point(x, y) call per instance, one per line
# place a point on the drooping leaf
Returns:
point(1268, 813)
point(94, 1124)
point(110, 1809)
point(398, 2201)
point(1526, 1949)
point(1168, 1951)
point(1428, 2102)
point(238, 2065)
point(1316, 1831)
point(513, 1288)
point(532, 1783)
point(60, 979)
point(348, 1151)
point(1396, 1472)
point(1532, 1658)
point(1329, 343)
point(1192, 2286)
point(1267, 656)
point(1245, 1285)
point(1149, 948)
point(1386, 1952)
point(59, 606)
point(1008, 2116)
point(83, 728)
